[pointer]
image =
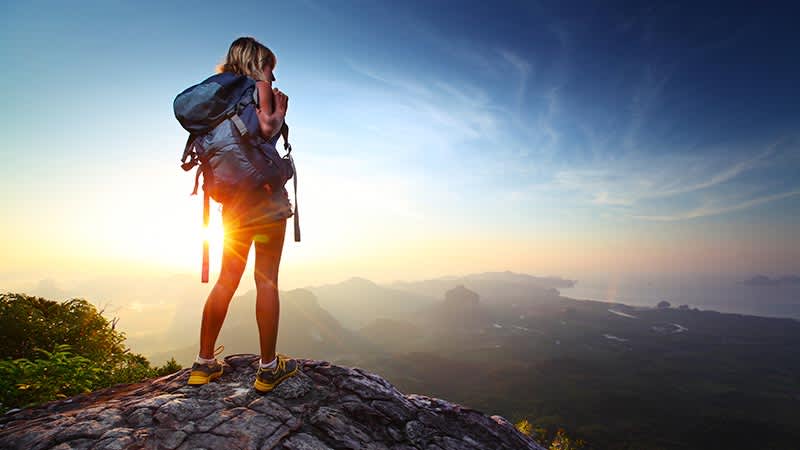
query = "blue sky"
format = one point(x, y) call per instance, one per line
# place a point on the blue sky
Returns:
point(545, 137)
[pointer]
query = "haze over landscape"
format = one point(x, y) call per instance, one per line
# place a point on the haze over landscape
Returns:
point(506, 191)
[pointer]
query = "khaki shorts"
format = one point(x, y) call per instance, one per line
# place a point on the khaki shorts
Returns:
point(255, 213)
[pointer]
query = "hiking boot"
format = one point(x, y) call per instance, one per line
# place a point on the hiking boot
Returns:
point(203, 373)
point(267, 379)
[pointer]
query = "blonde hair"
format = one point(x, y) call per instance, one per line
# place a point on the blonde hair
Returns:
point(247, 56)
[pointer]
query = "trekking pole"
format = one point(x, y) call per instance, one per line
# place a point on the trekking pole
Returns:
point(204, 272)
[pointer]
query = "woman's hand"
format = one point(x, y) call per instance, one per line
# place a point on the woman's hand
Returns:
point(271, 109)
point(281, 101)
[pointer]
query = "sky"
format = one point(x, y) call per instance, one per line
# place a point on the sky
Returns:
point(431, 138)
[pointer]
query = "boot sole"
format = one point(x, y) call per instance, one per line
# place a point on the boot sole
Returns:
point(198, 379)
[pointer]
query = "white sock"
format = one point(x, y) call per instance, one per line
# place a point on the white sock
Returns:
point(205, 360)
point(270, 365)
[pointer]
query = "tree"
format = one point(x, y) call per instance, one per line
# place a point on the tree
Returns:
point(28, 323)
point(52, 350)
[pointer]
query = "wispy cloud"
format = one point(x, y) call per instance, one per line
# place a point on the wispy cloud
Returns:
point(669, 181)
point(523, 70)
point(607, 158)
point(712, 179)
point(461, 50)
point(406, 85)
point(711, 210)
point(646, 96)
point(454, 110)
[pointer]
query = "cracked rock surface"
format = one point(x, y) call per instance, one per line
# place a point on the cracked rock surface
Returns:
point(323, 407)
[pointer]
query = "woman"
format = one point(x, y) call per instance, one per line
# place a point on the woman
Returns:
point(257, 217)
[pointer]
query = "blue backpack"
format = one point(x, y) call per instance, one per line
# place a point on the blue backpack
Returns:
point(226, 144)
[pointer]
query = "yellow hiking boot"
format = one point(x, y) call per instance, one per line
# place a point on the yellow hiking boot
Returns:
point(267, 379)
point(204, 373)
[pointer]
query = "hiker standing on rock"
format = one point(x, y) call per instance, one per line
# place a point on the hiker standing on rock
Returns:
point(253, 215)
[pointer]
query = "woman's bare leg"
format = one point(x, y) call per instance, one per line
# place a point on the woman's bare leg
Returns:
point(234, 259)
point(269, 247)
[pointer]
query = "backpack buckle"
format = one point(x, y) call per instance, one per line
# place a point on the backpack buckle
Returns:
point(240, 126)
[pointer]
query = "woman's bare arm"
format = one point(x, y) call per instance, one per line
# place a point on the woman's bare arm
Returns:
point(271, 109)
point(271, 112)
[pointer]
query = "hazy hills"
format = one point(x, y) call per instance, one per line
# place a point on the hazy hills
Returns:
point(338, 321)
point(761, 280)
point(304, 329)
point(357, 301)
point(733, 293)
point(616, 375)
point(492, 287)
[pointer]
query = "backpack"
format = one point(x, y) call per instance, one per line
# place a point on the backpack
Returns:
point(226, 144)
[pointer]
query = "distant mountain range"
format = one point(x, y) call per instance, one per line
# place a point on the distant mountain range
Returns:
point(324, 321)
point(761, 280)
point(493, 287)
point(357, 301)
point(304, 329)
point(615, 375)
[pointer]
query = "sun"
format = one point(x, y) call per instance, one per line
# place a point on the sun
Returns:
point(175, 240)
point(214, 233)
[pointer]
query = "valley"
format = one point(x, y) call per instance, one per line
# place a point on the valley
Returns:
point(615, 375)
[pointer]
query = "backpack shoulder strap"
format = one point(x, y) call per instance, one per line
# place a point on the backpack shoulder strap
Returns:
point(206, 207)
point(187, 152)
point(296, 211)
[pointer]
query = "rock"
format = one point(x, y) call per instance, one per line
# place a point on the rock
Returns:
point(323, 407)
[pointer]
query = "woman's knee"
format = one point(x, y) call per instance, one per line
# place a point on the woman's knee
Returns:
point(265, 283)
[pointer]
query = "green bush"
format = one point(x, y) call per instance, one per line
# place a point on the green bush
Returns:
point(57, 374)
point(524, 427)
point(51, 350)
point(28, 323)
point(564, 442)
point(168, 368)
point(558, 441)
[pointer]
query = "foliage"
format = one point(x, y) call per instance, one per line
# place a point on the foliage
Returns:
point(57, 374)
point(560, 441)
point(168, 368)
point(51, 350)
point(30, 322)
point(564, 442)
point(524, 427)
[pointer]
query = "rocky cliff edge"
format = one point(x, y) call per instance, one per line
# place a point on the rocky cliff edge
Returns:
point(324, 407)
